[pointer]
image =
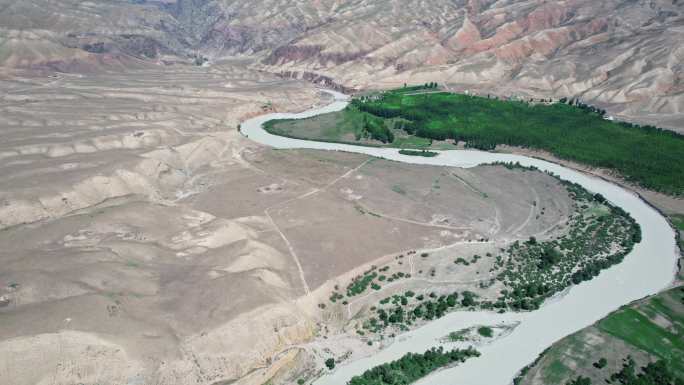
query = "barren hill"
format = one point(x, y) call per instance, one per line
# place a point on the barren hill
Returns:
point(622, 54)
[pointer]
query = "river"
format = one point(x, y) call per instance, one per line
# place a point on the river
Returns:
point(648, 269)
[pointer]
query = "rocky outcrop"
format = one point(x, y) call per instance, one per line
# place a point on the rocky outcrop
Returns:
point(321, 80)
point(296, 53)
point(292, 53)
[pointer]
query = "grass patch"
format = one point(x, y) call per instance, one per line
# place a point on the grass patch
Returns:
point(635, 328)
point(458, 336)
point(645, 333)
point(347, 126)
point(343, 125)
point(678, 221)
point(411, 142)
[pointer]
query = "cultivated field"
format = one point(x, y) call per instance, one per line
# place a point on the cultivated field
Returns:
point(645, 332)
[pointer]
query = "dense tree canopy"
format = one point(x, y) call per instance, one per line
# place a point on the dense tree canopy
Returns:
point(412, 367)
point(572, 130)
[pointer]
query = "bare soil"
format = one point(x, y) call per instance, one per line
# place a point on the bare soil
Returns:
point(144, 240)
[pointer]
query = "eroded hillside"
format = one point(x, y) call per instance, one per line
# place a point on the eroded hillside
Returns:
point(145, 239)
point(624, 55)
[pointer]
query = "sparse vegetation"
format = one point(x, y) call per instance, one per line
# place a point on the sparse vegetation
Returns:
point(401, 311)
point(654, 373)
point(580, 381)
point(601, 363)
point(398, 189)
point(598, 236)
point(461, 261)
point(361, 283)
point(678, 221)
point(658, 373)
point(569, 129)
point(458, 336)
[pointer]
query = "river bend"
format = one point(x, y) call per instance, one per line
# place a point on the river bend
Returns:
point(648, 269)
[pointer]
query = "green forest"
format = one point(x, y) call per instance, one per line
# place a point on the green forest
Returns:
point(568, 129)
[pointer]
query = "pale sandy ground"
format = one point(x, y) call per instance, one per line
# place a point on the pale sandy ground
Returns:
point(145, 241)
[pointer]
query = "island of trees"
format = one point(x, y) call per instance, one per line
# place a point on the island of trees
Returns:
point(412, 367)
point(424, 153)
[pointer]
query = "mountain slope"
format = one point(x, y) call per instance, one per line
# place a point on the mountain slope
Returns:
point(624, 55)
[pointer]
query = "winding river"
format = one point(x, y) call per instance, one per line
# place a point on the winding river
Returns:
point(648, 269)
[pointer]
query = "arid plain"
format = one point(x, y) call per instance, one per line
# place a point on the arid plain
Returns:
point(146, 241)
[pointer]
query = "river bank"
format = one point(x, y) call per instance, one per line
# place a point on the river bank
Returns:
point(649, 268)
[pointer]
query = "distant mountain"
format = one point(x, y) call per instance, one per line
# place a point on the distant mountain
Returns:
point(625, 55)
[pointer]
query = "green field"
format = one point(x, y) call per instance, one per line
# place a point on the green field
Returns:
point(343, 126)
point(656, 327)
point(415, 117)
point(350, 126)
point(628, 339)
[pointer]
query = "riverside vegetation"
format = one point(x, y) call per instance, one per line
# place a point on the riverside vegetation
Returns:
point(596, 236)
point(412, 367)
point(569, 129)
point(641, 345)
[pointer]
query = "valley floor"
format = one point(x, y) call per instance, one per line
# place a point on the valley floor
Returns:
point(144, 239)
